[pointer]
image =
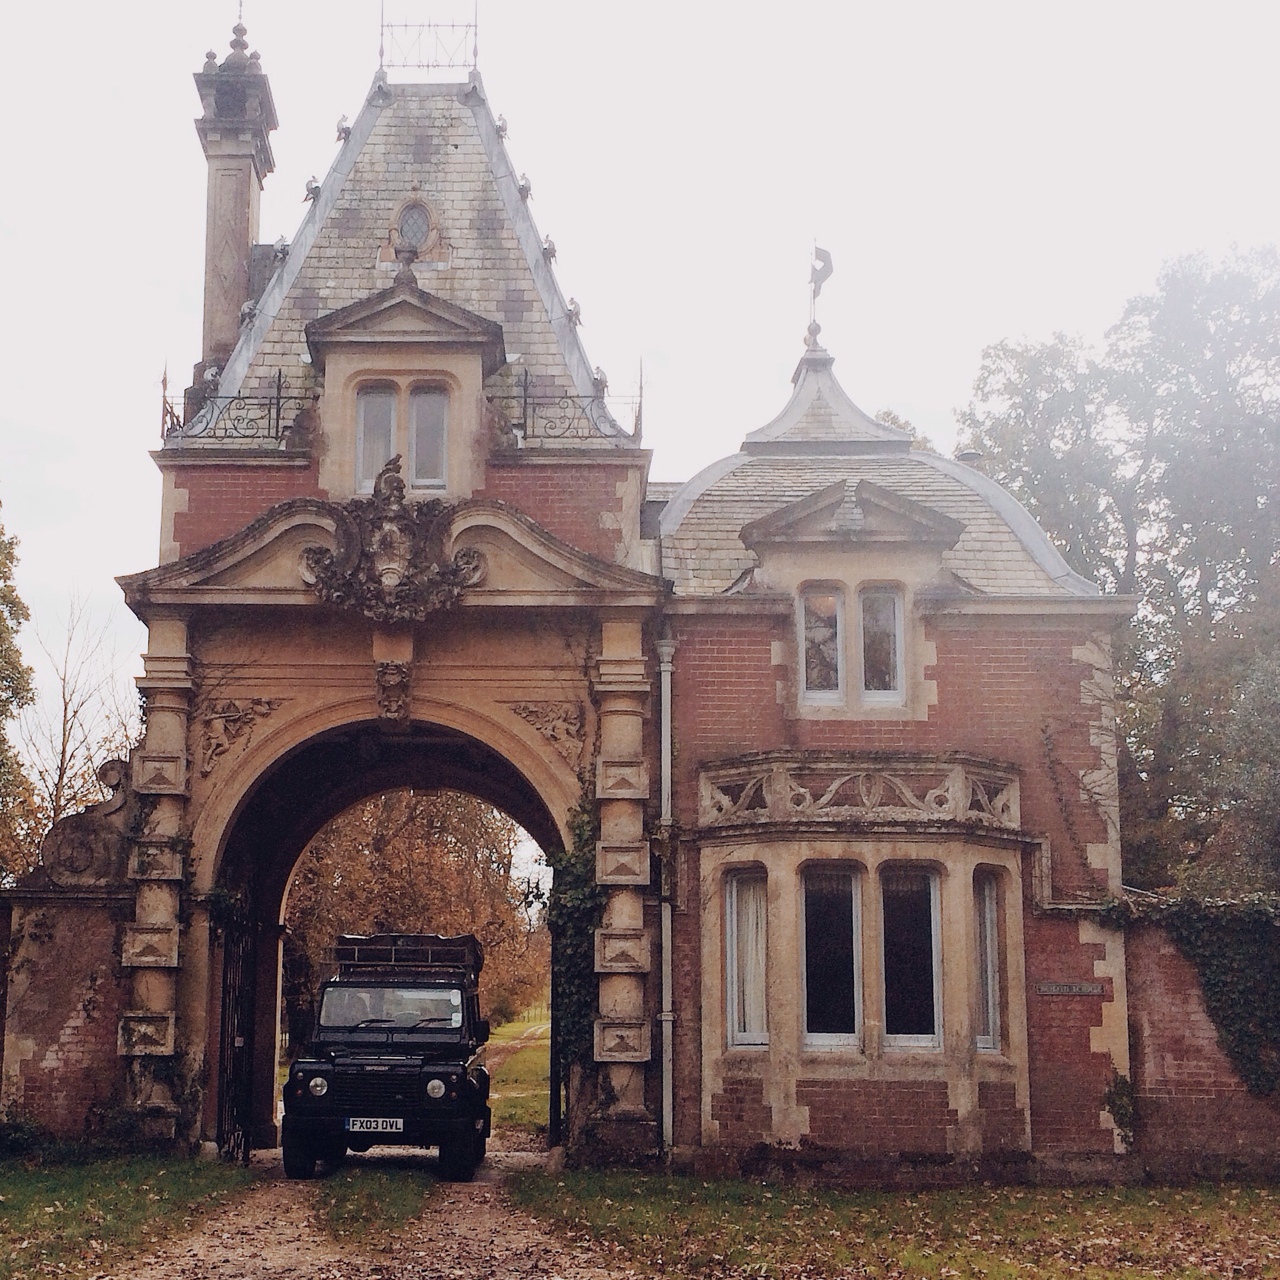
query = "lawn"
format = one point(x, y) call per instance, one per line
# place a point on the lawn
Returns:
point(521, 1083)
point(78, 1218)
point(687, 1227)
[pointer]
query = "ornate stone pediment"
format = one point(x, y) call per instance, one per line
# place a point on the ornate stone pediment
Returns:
point(390, 561)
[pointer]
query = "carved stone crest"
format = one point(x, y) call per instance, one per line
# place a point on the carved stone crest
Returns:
point(227, 721)
point(390, 562)
point(88, 848)
point(394, 689)
point(561, 723)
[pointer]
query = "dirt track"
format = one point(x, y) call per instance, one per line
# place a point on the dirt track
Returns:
point(469, 1231)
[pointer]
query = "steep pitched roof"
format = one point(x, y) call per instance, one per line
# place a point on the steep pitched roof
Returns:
point(437, 144)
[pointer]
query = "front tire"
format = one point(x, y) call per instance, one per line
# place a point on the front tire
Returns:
point(458, 1158)
point(299, 1159)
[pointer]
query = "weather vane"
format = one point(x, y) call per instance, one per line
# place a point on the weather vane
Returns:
point(819, 272)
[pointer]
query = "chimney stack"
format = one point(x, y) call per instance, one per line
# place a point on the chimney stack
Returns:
point(238, 116)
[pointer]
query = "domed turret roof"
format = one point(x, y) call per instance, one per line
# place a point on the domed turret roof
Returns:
point(820, 439)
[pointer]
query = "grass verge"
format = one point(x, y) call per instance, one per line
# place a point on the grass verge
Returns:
point(686, 1227)
point(76, 1218)
point(366, 1205)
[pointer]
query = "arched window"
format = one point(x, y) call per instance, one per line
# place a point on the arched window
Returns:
point(428, 424)
point(881, 643)
point(832, 956)
point(375, 432)
point(746, 957)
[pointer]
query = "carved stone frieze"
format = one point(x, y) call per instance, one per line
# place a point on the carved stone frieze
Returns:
point(227, 721)
point(793, 787)
point(395, 689)
point(563, 724)
point(389, 563)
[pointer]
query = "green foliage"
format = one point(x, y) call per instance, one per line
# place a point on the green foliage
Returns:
point(1121, 1101)
point(573, 913)
point(80, 1216)
point(1235, 948)
point(19, 821)
point(732, 1230)
point(1154, 465)
point(366, 1205)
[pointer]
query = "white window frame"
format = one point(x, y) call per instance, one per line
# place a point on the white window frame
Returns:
point(832, 1039)
point(822, 697)
point(435, 482)
point(986, 894)
point(741, 1038)
point(901, 1041)
point(896, 696)
point(364, 484)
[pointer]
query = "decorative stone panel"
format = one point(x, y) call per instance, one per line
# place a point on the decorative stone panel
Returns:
point(144, 1034)
point(155, 860)
point(150, 946)
point(622, 780)
point(622, 1040)
point(159, 774)
point(859, 787)
point(622, 951)
point(622, 863)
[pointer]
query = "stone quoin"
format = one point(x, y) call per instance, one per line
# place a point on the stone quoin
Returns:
point(842, 713)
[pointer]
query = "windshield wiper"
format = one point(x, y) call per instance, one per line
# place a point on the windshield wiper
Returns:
point(373, 1022)
point(422, 1022)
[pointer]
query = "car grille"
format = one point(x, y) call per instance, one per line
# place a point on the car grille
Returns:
point(373, 1091)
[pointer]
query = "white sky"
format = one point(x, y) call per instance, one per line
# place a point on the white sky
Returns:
point(978, 171)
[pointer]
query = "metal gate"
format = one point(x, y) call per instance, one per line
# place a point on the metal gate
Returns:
point(235, 1050)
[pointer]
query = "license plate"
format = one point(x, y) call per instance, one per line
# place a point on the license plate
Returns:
point(374, 1124)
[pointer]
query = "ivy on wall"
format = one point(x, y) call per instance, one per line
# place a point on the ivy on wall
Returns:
point(574, 910)
point(1235, 948)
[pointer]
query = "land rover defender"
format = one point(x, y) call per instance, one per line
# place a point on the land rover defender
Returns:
point(393, 1058)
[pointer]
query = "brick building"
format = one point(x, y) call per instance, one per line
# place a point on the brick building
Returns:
point(842, 714)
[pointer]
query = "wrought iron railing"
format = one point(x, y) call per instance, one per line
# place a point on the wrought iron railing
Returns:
point(540, 417)
point(267, 419)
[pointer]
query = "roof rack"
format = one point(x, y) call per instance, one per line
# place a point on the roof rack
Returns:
point(396, 952)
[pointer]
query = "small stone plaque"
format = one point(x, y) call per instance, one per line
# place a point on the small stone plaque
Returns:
point(622, 1040)
point(144, 1034)
point(622, 863)
point(622, 951)
point(622, 780)
point(1069, 988)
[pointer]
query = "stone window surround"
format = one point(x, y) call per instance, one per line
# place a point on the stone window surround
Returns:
point(914, 695)
point(404, 385)
point(787, 1056)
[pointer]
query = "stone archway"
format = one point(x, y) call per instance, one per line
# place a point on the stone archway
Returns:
point(289, 804)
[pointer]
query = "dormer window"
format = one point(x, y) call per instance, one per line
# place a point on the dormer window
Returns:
point(413, 423)
point(821, 644)
point(882, 644)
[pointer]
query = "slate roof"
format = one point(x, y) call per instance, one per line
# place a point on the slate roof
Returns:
point(821, 438)
point(437, 143)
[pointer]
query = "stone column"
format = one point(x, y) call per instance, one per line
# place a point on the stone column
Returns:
point(622, 1034)
point(156, 864)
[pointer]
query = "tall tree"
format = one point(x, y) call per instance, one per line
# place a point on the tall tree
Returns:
point(1155, 466)
point(16, 799)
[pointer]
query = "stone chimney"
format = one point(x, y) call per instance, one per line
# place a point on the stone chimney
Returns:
point(238, 116)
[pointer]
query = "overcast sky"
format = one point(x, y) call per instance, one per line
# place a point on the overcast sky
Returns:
point(977, 171)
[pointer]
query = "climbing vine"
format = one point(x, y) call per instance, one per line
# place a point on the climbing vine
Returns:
point(1235, 948)
point(573, 913)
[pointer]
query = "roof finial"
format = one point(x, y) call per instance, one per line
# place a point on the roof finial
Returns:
point(238, 57)
point(406, 255)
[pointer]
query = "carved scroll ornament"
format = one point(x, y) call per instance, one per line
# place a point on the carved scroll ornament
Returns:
point(870, 790)
point(563, 724)
point(389, 562)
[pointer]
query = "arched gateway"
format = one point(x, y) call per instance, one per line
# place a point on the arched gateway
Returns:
point(827, 729)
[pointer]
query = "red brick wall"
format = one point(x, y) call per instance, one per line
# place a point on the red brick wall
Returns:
point(877, 1117)
point(566, 500)
point(741, 1112)
point(221, 500)
point(1190, 1102)
point(69, 1026)
point(1003, 1121)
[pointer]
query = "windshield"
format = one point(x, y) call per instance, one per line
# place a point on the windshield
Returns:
point(376, 1006)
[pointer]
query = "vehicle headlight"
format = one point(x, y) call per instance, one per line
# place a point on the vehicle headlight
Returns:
point(319, 1086)
point(435, 1088)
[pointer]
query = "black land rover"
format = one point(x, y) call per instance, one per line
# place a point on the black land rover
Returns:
point(393, 1058)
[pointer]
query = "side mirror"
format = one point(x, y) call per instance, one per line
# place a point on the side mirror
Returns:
point(482, 1030)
